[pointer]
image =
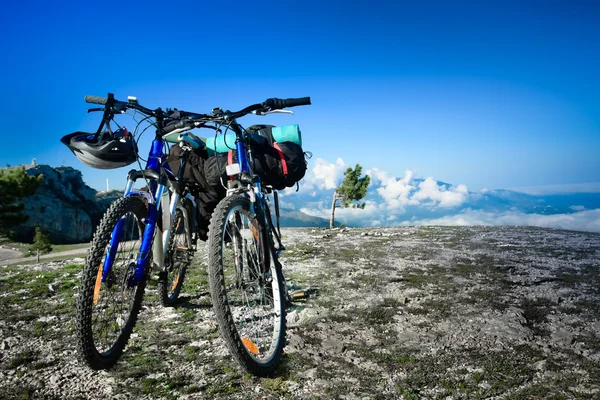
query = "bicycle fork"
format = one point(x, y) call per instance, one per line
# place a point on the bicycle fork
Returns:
point(159, 247)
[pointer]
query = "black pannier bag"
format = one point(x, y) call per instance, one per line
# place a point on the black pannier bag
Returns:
point(207, 196)
point(279, 164)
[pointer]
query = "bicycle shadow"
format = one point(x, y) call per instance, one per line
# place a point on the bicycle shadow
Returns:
point(191, 301)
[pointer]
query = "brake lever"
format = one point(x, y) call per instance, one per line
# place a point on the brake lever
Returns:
point(262, 113)
point(95, 109)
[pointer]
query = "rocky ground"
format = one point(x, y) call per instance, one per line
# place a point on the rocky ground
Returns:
point(430, 312)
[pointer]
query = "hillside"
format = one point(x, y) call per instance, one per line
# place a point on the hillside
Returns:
point(297, 219)
point(403, 313)
point(64, 206)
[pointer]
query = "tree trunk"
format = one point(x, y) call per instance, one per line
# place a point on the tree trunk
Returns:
point(332, 219)
point(38, 256)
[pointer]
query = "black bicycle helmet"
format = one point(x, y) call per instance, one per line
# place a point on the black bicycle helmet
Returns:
point(108, 151)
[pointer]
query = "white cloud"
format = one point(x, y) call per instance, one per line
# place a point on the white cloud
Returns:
point(588, 220)
point(435, 194)
point(325, 175)
point(396, 192)
point(399, 193)
point(321, 176)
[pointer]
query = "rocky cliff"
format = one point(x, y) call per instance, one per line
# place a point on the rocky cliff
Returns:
point(64, 206)
point(69, 210)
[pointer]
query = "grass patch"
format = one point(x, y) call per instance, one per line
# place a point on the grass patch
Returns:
point(141, 361)
point(417, 280)
point(276, 386)
point(439, 307)
point(23, 358)
point(380, 313)
point(487, 298)
point(535, 312)
point(499, 372)
point(301, 252)
point(165, 388)
point(192, 353)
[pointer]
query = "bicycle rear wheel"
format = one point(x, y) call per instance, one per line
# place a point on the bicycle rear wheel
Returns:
point(107, 311)
point(247, 287)
point(178, 258)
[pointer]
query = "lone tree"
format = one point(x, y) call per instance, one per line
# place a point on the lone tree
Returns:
point(352, 190)
point(41, 243)
point(15, 184)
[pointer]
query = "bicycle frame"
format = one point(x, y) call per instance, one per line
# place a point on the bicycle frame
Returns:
point(256, 196)
point(157, 189)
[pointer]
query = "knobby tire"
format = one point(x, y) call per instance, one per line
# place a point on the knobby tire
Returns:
point(97, 301)
point(243, 341)
point(177, 259)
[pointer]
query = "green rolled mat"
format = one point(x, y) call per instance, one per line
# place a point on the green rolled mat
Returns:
point(287, 133)
point(223, 143)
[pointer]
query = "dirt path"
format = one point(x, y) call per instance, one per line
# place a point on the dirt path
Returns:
point(14, 257)
point(6, 254)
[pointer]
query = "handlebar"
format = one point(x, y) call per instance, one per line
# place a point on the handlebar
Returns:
point(191, 120)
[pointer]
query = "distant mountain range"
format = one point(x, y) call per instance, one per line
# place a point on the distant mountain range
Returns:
point(296, 219)
point(408, 201)
point(69, 209)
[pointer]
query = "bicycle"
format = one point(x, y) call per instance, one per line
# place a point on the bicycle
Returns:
point(143, 229)
point(247, 286)
point(243, 259)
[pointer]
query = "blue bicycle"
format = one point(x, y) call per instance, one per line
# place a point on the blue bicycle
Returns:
point(154, 228)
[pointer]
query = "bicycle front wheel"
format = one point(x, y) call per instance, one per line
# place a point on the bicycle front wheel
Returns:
point(178, 258)
point(247, 287)
point(107, 309)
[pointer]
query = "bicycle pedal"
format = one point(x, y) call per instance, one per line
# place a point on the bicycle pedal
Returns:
point(299, 294)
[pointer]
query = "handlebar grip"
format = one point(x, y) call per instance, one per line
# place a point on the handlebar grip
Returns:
point(277, 104)
point(96, 99)
point(178, 125)
point(301, 101)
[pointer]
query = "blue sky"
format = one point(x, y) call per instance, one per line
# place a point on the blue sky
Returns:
point(489, 94)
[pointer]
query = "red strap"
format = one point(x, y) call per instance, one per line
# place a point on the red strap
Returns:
point(283, 163)
point(230, 161)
